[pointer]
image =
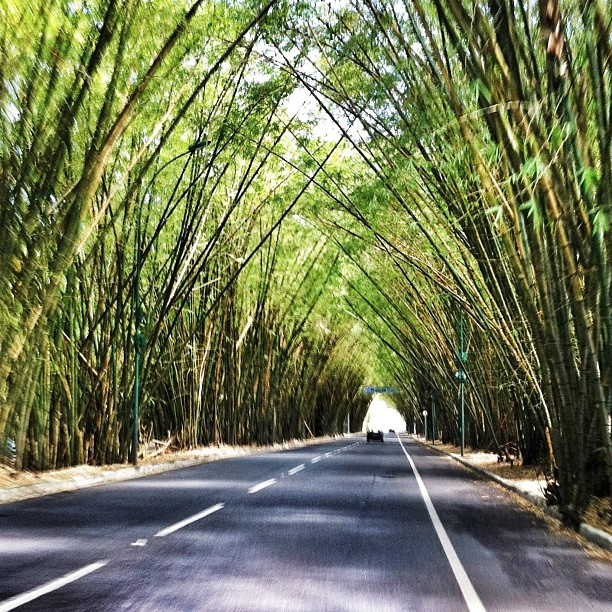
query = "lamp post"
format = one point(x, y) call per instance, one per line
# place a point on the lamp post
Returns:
point(461, 377)
point(462, 393)
point(425, 418)
point(433, 419)
point(140, 340)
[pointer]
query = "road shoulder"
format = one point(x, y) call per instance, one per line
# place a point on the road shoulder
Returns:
point(528, 489)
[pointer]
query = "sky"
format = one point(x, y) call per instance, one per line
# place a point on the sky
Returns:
point(382, 415)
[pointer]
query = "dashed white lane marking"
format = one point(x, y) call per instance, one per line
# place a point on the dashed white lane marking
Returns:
point(262, 485)
point(189, 520)
point(469, 592)
point(140, 542)
point(20, 600)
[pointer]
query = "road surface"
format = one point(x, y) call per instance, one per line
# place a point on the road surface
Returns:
point(341, 526)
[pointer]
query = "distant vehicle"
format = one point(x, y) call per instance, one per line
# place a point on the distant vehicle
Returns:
point(392, 431)
point(375, 435)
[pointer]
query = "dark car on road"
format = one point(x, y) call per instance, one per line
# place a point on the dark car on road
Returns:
point(375, 435)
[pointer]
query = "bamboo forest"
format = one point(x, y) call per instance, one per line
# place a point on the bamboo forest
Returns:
point(220, 220)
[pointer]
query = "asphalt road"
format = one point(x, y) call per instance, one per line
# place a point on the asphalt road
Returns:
point(343, 526)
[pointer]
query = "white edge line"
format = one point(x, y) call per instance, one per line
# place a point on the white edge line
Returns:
point(262, 485)
point(467, 588)
point(19, 600)
point(189, 520)
point(296, 469)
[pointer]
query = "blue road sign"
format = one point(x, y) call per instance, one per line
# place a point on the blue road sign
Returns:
point(372, 390)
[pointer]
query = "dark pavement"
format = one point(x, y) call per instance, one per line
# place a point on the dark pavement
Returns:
point(340, 526)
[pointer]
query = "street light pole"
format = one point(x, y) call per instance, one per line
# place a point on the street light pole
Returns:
point(433, 420)
point(461, 377)
point(462, 359)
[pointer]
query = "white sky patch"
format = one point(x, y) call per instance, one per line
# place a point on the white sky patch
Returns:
point(300, 220)
point(334, 5)
point(383, 416)
point(11, 112)
point(303, 106)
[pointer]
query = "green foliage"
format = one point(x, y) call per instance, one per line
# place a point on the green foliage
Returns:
point(461, 171)
point(532, 209)
point(601, 222)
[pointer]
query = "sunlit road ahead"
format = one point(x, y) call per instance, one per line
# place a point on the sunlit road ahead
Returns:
point(343, 526)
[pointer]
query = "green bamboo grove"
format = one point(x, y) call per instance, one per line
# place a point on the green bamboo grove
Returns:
point(228, 217)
